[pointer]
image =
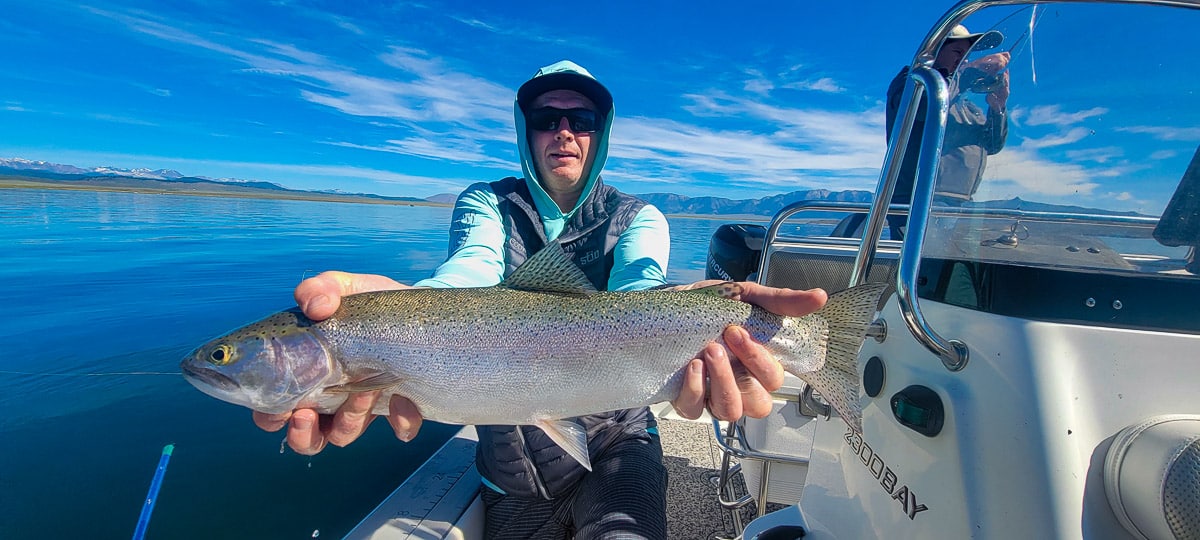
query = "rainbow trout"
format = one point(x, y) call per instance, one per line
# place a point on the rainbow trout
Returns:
point(540, 348)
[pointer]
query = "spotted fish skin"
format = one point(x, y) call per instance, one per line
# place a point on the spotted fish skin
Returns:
point(541, 347)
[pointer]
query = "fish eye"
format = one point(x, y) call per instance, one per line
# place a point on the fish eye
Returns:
point(221, 355)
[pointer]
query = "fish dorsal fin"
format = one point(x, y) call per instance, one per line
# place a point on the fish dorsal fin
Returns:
point(570, 436)
point(549, 270)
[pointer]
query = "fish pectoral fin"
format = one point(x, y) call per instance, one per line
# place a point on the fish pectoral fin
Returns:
point(378, 381)
point(570, 436)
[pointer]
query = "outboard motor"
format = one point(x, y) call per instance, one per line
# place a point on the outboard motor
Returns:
point(734, 252)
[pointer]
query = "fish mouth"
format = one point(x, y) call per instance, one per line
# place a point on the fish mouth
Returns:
point(209, 378)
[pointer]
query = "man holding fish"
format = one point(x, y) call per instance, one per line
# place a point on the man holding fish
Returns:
point(533, 489)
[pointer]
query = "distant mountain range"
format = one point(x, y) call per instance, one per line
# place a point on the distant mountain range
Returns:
point(169, 181)
point(166, 180)
point(670, 203)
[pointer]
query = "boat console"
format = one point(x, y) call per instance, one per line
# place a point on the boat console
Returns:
point(1033, 370)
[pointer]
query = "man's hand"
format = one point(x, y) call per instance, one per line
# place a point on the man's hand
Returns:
point(998, 99)
point(308, 432)
point(997, 65)
point(742, 374)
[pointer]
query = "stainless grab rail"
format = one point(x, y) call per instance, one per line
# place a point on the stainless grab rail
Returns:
point(737, 432)
point(797, 207)
point(953, 353)
point(725, 488)
point(748, 452)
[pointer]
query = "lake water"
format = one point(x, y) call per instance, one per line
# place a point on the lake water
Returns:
point(100, 285)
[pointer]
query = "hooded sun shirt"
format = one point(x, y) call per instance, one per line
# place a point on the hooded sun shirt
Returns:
point(492, 222)
point(552, 217)
point(477, 233)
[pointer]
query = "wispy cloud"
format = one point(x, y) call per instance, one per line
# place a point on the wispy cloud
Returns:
point(1054, 115)
point(418, 88)
point(1165, 133)
point(1071, 136)
point(745, 158)
point(529, 31)
point(446, 148)
point(1023, 169)
point(1020, 171)
point(792, 78)
point(121, 119)
point(160, 92)
point(835, 131)
point(1098, 155)
point(426, 97)
point(756, 83)
point(823, 84)
point(348, 26)
point(765, 146)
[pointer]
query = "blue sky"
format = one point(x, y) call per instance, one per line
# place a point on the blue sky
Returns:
point(415, 99)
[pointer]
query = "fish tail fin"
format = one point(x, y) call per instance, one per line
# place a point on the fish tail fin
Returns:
point(846, 315)
point(849, 313)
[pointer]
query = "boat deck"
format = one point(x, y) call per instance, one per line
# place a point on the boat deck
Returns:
point(439, 500)
point(693, 462)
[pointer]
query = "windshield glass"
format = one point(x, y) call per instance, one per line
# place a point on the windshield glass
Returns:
point(1070, 130)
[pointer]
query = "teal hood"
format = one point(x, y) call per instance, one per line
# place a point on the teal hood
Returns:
point(563, 75)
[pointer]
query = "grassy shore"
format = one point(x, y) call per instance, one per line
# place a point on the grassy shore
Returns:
point(165, 188)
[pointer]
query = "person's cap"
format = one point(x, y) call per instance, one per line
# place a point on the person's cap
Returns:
point(987, 40)
point(565, 75)
point(960, 32)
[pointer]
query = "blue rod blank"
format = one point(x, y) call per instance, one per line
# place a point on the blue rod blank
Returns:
point(144, 520)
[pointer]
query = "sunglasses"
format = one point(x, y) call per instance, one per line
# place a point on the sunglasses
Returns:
point(547, 119)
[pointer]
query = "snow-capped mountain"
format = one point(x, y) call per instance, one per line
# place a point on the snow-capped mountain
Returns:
point(21, 164)
point(161, 179)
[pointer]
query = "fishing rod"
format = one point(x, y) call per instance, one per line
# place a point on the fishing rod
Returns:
point(152, 496)
point(978, 81)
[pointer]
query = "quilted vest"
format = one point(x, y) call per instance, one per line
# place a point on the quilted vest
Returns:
point(522, 460)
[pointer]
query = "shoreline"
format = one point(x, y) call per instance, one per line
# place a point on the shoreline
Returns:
point(13, 183)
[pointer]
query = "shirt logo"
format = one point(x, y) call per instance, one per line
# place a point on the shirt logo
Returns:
point(589, 257)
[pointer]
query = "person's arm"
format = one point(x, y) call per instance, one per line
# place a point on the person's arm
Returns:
point(475, 259)
point(641, 254)
point(995, 131)
point(476, 249)
point(894, 92)
point(995, 128)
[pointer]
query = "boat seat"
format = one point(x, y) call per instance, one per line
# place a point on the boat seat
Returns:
point(823, 263)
